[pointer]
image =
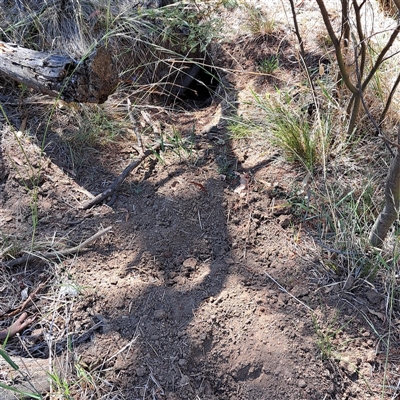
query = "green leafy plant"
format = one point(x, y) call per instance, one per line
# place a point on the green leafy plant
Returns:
point(269, 64)
point(324, 340)
point(61, 385)
point(326, 336)
point(181, 146)
point(94, 126)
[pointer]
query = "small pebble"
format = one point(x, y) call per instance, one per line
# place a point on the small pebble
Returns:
point(190, 263)
point(141, 371)
point(302, 383)
point(160, 314)
point(184, 380)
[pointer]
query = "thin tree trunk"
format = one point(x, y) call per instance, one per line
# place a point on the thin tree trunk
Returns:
point(297, 30)
point(390, 211)
point(345, 31)
point(90, 80)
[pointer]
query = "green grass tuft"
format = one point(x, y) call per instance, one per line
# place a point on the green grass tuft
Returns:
point(302, 138)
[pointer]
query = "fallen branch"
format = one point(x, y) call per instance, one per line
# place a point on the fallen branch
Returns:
point(19, 325)
point(118, 181)
point(56, 254)
point(24, 305)
point(135, 129)
point(89, 80)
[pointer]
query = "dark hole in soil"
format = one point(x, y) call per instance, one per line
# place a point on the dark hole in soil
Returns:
point(199, 91)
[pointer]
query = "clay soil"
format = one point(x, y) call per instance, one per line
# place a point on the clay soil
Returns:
point(208, 286)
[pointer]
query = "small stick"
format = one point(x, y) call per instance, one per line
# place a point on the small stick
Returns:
point(135, 128)
point(332, 250)
point(20, 324)
point(56, 254)
point(153, 126)
point(198, 213)
point(118, 181)
point(24, 305)
point(287, 292)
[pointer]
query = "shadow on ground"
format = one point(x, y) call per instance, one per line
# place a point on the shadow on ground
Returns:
point(181, 289)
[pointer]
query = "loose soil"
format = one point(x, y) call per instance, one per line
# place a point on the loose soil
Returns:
point(208, 286)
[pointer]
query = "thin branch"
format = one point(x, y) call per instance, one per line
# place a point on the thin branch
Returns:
point(297, 30)
point(355, 101)
point(361, 36)
point(135, 128)
point(118, 181)
point(24, 305)
point(345, 31)
point(390, 211)
point(338, 50)
point(19, 325)
point(56, 254)
point(290, 294)
point(372, 119)
point(381, 56)
point(389, 100)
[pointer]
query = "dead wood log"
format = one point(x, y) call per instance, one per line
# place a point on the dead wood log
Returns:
point(89, 80)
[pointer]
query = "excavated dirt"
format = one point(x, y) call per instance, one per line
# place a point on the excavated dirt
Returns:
point(207, 286)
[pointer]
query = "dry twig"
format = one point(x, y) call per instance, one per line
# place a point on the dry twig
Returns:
point(287, 292)
point(135, 128)
point(56, 254)
point(118, 181)
point(20, 324)
point(22, 307)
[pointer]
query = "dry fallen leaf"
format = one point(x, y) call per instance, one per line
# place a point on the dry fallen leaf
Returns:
point(244, 183)
point(23, 125)
point(377, 314)
point(199, 185)
point(24, 294)
point(16, 160)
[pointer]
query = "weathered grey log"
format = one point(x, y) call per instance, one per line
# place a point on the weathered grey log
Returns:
point(90, 80)
point(31, 377)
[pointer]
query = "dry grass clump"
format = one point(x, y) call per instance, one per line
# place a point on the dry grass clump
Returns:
point(389, 7)
point(259, 23)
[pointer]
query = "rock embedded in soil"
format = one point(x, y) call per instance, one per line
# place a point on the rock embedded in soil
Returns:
point(160, 314)
point(141, 371)
point(182, 362)
point(190, 263)
point(302, 383)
